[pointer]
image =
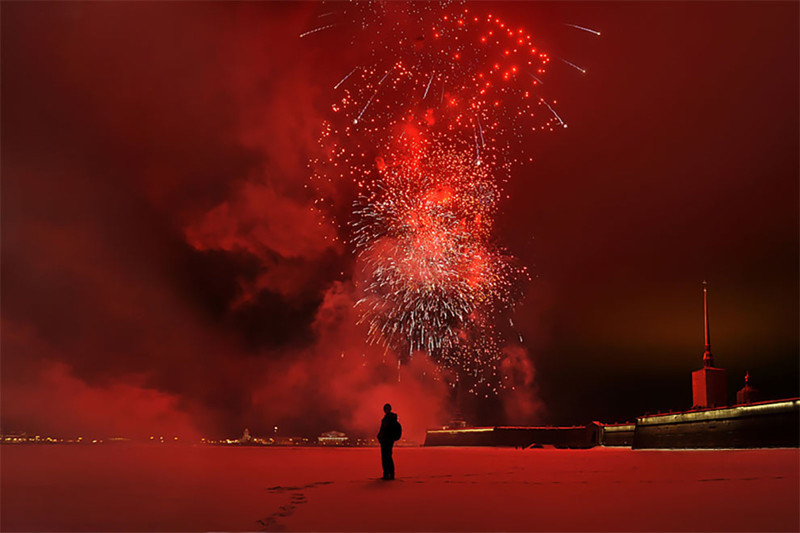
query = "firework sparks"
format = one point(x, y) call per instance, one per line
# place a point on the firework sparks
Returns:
point(424, 233)
point(428, 175)
point(371, 98)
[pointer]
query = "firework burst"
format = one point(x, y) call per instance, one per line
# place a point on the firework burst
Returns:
point(425, 130)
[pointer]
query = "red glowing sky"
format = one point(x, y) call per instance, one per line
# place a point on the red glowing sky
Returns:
point(162, 270)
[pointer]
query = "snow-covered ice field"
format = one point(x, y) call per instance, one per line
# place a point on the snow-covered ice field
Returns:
point(204, 488)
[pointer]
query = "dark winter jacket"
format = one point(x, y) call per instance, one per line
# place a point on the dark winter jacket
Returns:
point(388, 432)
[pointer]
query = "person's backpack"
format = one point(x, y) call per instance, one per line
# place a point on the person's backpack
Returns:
point(397, 430)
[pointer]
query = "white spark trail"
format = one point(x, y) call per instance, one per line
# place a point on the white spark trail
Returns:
point(573, 65)
point(477, 148)
point(535, 78)
point(583, 28)
point(553, 111)
point(315, 30)
point(429, 85)
point(345, 78)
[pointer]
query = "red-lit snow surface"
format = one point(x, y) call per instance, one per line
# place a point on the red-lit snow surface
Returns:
point(184, 488)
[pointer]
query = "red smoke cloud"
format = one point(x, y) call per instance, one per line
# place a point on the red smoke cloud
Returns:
point(520, 400)
point(163, 270)
point(286, 237)
point(347, 381)
point(57, 402)
point(52, 400)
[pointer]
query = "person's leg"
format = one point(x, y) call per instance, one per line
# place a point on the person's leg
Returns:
point(386, 460)
point(391, 461)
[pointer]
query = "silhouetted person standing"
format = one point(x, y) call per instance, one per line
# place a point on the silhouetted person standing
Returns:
point(389, 433)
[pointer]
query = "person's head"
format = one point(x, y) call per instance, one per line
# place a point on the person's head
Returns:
point(387, 408)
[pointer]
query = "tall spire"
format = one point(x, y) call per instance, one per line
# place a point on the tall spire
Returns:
point(708, 359)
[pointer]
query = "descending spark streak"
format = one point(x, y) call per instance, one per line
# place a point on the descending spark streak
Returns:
point(573, 65)
point(315, 30)
point(535, 78)
point(583, 28)
point(429, 86)
point(553, 111)
point(345, 78)
point(355, 121)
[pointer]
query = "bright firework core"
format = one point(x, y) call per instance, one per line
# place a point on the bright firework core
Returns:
point(422, 233)
point(425, 130)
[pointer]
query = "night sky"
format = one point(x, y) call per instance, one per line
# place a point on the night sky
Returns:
point(163, 273)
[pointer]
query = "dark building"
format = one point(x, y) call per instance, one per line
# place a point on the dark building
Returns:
point(518, 437)
point(616, 434)
point(774, 424)
point(709, 388)
point(747, 394)
point(711, 423)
